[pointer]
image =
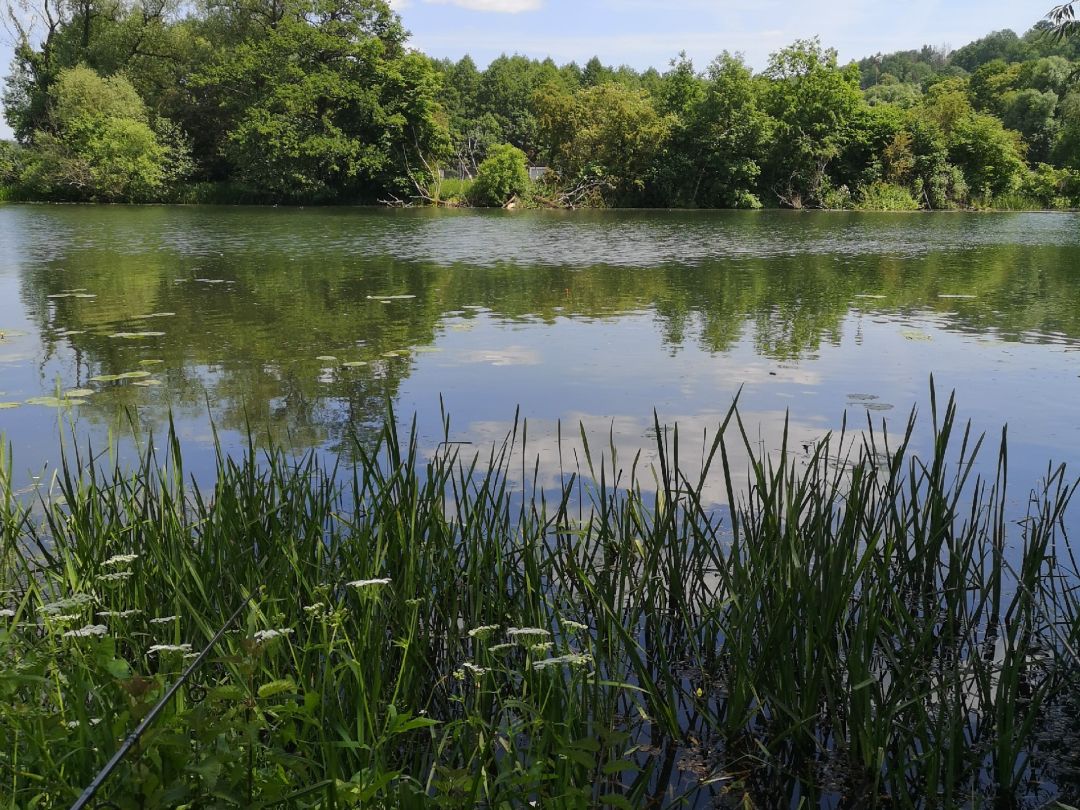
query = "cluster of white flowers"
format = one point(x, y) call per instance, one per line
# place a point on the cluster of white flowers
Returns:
point(368, 583)
point(120, 559)
point(268, 635)
point(476, 670)
point(115, 576)
point(160, 648)
point(317, 608)
point(77, 601)
point(483, 631)
point(73, 724)
point(514, 632)
point(571, 660)
point(542, 647)
point(7, 613)
point(163, 619)
point(569, 625)
point(118, 614)
point(63, 619)
point(497, 648)
point(86, 632)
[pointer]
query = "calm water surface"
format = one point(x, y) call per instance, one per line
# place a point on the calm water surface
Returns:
point(304, 322)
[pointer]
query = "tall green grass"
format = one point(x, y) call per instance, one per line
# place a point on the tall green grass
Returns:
point(860, 626)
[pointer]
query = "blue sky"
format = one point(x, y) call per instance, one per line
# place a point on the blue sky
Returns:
point(643, 33)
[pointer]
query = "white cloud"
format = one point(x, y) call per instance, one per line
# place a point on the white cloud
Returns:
point(497, 6)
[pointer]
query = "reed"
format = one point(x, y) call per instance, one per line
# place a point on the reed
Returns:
point(858, 624)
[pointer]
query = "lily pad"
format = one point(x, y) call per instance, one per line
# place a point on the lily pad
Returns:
point(355, 364)
point(52, 402)
point(127, 375)
point(80, 392)
point(151, 362)
point(147, 383)
point(328, 358)
point(7, 405)
point(913, 334)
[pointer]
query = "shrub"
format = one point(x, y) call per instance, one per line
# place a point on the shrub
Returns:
point(882, 196)
point(502, 175)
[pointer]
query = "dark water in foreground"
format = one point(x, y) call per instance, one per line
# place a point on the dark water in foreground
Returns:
point(303, 323)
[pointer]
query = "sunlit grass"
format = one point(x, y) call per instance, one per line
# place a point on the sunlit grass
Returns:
point(859, 623)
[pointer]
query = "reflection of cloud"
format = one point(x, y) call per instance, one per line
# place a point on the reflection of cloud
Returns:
point(510, 356)
point(632, 439)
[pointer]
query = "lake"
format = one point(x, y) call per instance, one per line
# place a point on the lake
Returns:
point(304, 323)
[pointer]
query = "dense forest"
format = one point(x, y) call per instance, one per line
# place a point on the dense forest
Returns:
point(322, 101)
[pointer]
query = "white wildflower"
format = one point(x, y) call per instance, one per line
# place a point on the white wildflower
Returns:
point(7, 613)
point(311, 610)
point(120, 559)
point(514, 632)
point(501, 647)
point(75, 723)
point(115, 576)
point(117, 614)
point(76, 601)
point(67, 617)
point(368, 583)
point(568, 625)
point(483, 631)
point(542, 647)
point(164, 619)
point(86, 632)
point(160, 648)
point(572, 660)
point(268, 635)
point(478, 671)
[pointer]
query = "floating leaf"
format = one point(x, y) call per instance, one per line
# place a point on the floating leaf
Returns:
point(6, 405)
point(355, 364)
point(912, 334)
point(52, 402)
point(128, 375)
point(329, 358)
point(151, 362)
point(147, 383)
point(136, 335)
point(80, 392)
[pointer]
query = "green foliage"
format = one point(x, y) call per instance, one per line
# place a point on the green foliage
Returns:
point(100, 145)
point(503, 174)
point(816, 106)
point(415, 638)
point(882, 196)
point(322, 101)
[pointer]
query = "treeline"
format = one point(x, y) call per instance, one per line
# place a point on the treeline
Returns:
point(322, 101)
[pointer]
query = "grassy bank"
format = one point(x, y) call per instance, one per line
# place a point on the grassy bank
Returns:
point(860, 625)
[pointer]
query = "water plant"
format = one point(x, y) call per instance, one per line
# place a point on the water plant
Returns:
point(859, 625)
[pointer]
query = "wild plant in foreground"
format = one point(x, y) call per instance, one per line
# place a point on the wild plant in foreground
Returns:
point(858, 623)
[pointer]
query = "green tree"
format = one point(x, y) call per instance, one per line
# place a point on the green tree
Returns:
point(816, 106)
point(503, 175)
point(327, 104)
point(100, 145)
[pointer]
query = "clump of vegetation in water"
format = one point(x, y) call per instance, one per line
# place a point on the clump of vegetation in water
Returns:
point(861, 623)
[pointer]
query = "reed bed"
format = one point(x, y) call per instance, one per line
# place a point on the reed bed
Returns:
point(859, 627)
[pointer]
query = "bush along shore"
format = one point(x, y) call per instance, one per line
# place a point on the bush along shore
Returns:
point(861, 627)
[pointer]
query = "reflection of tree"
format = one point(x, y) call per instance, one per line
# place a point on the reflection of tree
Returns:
point(249, 344)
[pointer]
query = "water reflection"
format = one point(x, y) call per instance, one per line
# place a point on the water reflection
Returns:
point(305, 323)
